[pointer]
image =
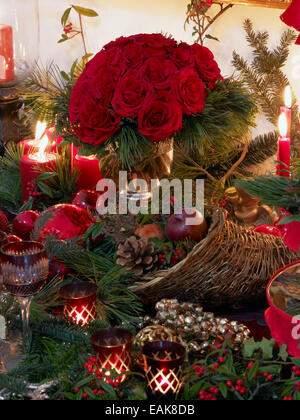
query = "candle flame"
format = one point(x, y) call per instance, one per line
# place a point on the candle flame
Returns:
point(41, 155)
point(288, 97)
point(283, 125)
point(39, 130)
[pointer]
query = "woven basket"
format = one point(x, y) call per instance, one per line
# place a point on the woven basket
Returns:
point(230, 267)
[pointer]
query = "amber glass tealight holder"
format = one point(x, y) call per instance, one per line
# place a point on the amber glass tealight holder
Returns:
point(80, 302)
point(163, 368)
point(113, 353)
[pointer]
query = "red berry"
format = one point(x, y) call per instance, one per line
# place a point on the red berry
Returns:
point(229, 384)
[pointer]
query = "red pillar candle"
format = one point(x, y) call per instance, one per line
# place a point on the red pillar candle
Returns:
point(6, 54)
point(284, 149)
point(287, 110)
point(88, 172)
point(31, 167)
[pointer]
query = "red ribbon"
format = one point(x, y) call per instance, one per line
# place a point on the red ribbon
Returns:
point(291, 17)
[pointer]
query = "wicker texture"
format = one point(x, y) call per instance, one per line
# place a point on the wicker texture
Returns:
point(230, 267)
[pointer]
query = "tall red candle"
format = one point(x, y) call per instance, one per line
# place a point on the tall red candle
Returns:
point(31, 168)
point(88, 172)
point(287, 110)
point(284, 149)
point(7, 73)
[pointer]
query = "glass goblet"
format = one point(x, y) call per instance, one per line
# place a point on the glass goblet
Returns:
point(25, 267)
point(3, 241)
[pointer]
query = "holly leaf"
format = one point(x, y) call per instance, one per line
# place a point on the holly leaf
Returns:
point(250, 346)
point(283, 354)
point(267, 347)
point(85, 12)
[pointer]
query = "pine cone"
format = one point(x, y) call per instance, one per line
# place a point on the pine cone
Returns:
point(137, 255)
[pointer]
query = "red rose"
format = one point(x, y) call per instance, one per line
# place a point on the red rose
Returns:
point(159, 73)
point(154, 40)
point(160, 118)
point(205, 64)
point(190, 91)
point(97, 124)
point(182, 55)
point(103, 84)
point(119, 42)
point(130, 95)
point(133, 55)
point(104, 61)
point(79, 92)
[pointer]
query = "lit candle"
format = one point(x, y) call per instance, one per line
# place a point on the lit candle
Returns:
point(28, 146)
point(80, 302)
point(88, 172)
point(287, 109)
point(284, 148)
point(33, 164)
point(163, 368)
point(6, 54)
point(113, 353)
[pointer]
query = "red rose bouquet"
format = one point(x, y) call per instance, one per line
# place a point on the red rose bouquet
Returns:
point(141, 90)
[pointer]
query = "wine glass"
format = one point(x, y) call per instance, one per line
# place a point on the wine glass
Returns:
point(25, 267)
point(3, 241)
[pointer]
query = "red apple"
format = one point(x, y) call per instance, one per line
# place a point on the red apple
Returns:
point(150, 231)
point(23, 223)
point(87, 199)
point(178, 227)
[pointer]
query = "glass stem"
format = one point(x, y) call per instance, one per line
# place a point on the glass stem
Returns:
point(25, 303)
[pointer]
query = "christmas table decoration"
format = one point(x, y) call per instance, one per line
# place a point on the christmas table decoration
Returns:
point(230, 267)
point(189, 325)
point(113, 352)
point(140, 92)
point(283, 293)
point(24, 266)
point(136, 255)
point(87, 199)
point(65, 221)
point(80, 302)
point(163, 367)
point(23, 223)
point(4, 223)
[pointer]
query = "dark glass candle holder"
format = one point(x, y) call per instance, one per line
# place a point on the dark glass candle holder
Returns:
point(113, 353)
point(80, 302)
point(25, 267)
point(3, 241)
point(163, 368)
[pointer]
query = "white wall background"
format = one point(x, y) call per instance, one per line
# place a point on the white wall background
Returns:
point(126, 17)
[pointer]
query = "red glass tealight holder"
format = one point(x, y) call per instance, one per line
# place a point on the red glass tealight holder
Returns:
point(80, 302)
point(113, 353)
point(163, 368)
point(3, 241)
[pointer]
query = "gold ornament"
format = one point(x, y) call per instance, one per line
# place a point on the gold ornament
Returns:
point(176, 321)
